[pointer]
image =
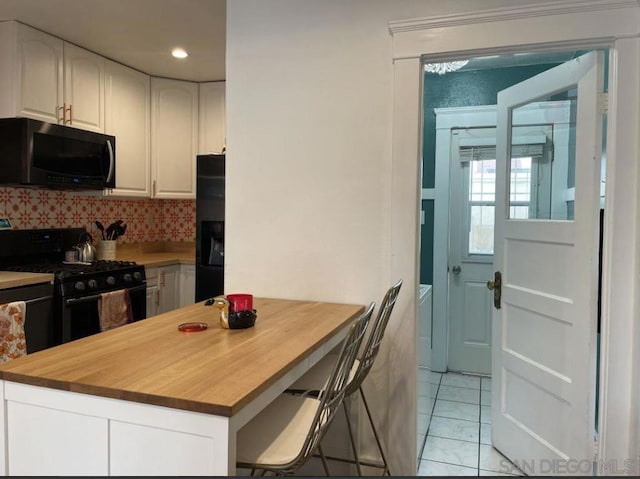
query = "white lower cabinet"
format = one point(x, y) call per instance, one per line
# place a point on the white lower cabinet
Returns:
point(153, 298)
point(49, 432)
point(163, 289)
point(169, 282)
point(136, 450)
point(187, 284)
point(44, 441)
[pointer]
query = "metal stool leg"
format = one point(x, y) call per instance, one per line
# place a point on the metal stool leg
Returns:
point(324, 460)
point(351, 438)
point(375, 433)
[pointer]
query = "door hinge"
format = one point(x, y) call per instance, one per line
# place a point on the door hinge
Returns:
point(603, 103)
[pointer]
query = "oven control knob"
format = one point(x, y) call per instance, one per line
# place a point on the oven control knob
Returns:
point(79, 286)
point(92, 283)
point(127, 278)
point(111, 281)
point(137, 276)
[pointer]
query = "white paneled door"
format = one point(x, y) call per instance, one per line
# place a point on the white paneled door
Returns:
point(546, 250)
point(471, 210)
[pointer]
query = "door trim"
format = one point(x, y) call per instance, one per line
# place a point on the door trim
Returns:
point(560, 26)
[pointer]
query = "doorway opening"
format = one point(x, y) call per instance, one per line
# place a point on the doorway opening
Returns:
point(459, 194)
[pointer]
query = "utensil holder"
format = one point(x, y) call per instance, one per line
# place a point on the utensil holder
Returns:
point(107, 249)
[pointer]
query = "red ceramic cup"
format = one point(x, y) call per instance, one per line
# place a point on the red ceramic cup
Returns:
point(240, 302)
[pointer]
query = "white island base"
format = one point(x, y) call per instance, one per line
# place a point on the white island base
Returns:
point(49, 432)
point(115, 404)
point(61, 433)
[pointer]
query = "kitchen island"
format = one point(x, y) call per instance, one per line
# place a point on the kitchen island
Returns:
point(147, 399)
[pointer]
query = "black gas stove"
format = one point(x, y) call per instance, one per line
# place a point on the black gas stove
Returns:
point(77, 286)
point(76, 279)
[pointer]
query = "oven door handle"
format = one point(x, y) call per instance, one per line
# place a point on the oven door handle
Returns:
point(38, 300)
point(86, 299)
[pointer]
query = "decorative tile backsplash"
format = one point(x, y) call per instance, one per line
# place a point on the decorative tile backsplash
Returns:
point(146, 219)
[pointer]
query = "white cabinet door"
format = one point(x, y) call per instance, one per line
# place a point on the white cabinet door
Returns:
point(141, 450)
point(83, 88)
point(153, 291)
point(44, 441)
point(187, 284)
point(174, 138)
point(169, 280)
point(53, 81)
point(544, 365)
point(38, 71)
point(212, 117)
point(163, 289)
point(127, 117)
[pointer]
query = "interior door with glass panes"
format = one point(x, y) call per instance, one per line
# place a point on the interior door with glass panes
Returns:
point(546, 268)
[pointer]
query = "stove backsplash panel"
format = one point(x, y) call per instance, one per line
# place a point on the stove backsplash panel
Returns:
point(146, 219)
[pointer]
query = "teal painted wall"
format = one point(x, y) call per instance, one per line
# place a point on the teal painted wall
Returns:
point(472, 88)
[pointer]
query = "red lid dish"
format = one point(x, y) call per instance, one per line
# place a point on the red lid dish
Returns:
point(192, 327)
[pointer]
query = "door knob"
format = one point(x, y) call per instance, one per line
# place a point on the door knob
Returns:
point(496, 287)
point(456, 269)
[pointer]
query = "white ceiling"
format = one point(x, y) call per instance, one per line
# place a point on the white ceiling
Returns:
point(138, 33)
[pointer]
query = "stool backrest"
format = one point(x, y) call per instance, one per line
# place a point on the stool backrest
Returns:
point(372, 346)
point(332, 395)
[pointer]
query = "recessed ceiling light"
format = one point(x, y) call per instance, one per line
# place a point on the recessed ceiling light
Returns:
point(179, 53)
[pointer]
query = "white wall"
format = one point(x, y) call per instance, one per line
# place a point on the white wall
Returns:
point(309, 129)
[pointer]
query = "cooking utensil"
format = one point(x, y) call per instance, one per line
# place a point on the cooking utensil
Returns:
point(111, 230)
point(101, 228)
point(118, 231)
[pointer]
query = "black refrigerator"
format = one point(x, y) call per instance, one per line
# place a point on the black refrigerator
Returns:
point(210, 187)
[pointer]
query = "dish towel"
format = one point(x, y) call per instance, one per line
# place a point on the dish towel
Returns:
point(13, 342)
point(114, 309)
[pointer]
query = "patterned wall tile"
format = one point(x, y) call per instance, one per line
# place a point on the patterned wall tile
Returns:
point(146, 219)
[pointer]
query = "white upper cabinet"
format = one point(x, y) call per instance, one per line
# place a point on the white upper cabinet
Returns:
point(48, 79)
point(31, 73)
point(83, 88)
point(160, 125)
point(127, 117)
point(174, 138)
point(212, 117)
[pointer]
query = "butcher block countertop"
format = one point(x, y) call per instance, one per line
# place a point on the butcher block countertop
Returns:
point(11, 279)
point(154, 254)
point(215, 371)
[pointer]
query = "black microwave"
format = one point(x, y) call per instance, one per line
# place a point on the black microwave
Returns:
point(36, 153)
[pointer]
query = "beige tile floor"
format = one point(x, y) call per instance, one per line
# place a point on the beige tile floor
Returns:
point(458, 440)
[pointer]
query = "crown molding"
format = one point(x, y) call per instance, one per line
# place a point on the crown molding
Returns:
point(510, 13)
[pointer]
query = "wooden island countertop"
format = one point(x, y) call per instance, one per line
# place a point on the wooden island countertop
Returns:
point(215, 371)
